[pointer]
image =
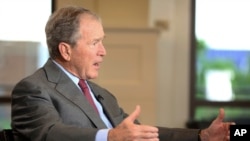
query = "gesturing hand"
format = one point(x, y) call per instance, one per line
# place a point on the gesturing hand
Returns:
point(218, 130)
point(128, 131)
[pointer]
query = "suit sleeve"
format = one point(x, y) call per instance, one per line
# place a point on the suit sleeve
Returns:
point(35, 118)
point(177, 134)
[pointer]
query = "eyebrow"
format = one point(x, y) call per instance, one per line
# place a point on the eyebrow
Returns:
point(99, 39)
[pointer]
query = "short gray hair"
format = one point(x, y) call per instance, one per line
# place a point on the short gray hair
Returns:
point(63, 26)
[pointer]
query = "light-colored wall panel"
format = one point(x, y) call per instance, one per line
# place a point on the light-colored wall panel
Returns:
point(123, 13)
point(115, 13)
point(129, 69)
point(90, 4)
point(125, 63)
point(173, 61)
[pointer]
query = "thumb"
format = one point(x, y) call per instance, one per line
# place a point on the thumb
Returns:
point(221, 115)
point(135, 114)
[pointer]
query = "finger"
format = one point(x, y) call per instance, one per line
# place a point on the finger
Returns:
point(232, 123)
point(221, 115)
point(135, 114)
point(149, 135)
point(228, 124)
point(153, 139)
point(147, 128)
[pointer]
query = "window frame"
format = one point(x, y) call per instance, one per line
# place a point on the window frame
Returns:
point(193, 102)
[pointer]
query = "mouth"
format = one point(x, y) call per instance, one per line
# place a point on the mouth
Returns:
point(97, 65)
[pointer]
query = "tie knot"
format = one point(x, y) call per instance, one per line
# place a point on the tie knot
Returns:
point(82, 84)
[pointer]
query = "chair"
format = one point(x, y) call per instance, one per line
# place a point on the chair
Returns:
point(6, 135)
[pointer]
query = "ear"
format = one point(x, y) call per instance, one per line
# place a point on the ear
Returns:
point(65, 51)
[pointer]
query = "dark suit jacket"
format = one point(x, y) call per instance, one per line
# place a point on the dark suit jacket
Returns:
point(48, 106)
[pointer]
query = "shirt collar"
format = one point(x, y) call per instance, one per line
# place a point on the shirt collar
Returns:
point(70, 75)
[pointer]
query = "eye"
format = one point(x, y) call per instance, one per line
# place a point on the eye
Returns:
point(94, 43)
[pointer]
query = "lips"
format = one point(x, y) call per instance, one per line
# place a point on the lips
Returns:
point(97, 64)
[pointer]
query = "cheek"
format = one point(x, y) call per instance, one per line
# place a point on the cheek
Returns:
point(85, 58)
point(87, 62)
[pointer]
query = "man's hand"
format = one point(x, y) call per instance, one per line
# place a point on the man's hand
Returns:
point(218, 130)
point(128, 131)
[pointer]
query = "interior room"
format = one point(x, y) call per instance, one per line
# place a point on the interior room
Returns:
point(155, 53)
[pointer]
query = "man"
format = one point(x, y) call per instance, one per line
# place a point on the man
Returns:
point(55, 104)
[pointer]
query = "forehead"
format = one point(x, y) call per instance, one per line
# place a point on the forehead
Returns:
point(90, 25)
point(88, 21)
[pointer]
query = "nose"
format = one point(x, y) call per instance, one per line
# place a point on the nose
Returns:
point(102, 50)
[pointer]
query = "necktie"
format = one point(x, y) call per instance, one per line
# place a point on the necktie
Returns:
point(87, 94)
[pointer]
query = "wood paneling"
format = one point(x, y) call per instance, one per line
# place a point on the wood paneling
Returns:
point(129, 69)
point(115, 13)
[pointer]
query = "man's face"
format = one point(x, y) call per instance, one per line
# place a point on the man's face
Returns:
point(89, 51)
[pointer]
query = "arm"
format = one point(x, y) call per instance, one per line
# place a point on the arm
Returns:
point(39, 113)
point(127, 130)
point(35, 116)
point(178, 134)
point(218, 130)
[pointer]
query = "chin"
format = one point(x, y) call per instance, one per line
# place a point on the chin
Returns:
point(93, 76)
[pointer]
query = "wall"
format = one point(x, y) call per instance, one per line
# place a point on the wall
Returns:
point(115, 13)
point(173, 61)
point(172, 51)
point(129, 69)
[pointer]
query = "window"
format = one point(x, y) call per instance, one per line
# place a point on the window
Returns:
point(220, 60)
point(22, 45)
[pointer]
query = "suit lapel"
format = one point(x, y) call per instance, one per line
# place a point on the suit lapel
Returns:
point(105, 104)
point(68, 89)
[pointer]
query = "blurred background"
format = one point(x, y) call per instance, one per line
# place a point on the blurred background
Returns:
point(181, 60)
